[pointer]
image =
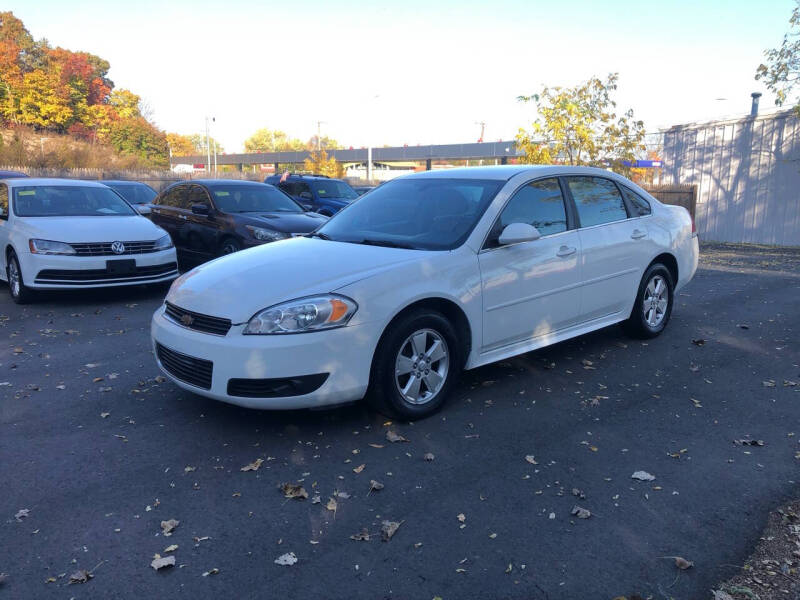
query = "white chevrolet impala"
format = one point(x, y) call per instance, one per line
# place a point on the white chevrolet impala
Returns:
point(425, 276)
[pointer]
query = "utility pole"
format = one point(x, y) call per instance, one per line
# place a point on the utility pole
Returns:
point(215, 157)
point(483, 129)
point(208, 149)
point(319, 139)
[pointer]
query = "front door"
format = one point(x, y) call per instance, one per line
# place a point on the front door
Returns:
point(531, 289)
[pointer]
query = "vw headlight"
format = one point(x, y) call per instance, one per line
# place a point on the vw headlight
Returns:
point(304, 314)
point(163, 243)
point(50, 247)
point(266, 235)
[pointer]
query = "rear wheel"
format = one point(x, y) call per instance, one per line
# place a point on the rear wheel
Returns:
point(416, 365)
point(20, 293)
point(653, 306)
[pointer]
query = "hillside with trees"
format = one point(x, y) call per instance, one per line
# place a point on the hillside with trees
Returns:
point(46, 91)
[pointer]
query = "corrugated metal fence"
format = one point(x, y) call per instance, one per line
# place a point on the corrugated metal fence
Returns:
point(681, 195)
point(747, 173)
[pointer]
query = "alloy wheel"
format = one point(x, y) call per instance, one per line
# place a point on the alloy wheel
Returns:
point(421, 366)
point(14, 281)
point(656, 299)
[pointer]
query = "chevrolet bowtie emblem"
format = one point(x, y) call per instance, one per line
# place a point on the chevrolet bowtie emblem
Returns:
point(187, 319)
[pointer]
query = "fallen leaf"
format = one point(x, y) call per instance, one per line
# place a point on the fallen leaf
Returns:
point(768, 383)
point(331, 505)
point(168, 526)
point(377, 445)
point(171, 548)
point(286, 560)
point(3, 577)
point(189, 469)
point(253, 466)
point(359, 468)
point(293, 490)
point(428, 456)
point(699, 342)
point(213, 571)
point(742, 326)
point(509, 568)
point(530, 458)
point(642, 476)
point(316, 499)
point(81, 576)
point(104, 414)
point(581, 513)
point(361, 536)
point(374, 485)
point(388, 529)
point(461, 517)
point(394, 437)
point(158, 562)
point(682, 563)
point(720, 595)
point(578, 493)
point(747, 442)
point(22, 513)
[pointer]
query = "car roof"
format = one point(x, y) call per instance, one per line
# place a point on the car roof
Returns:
point(12, 174)
point(506, 172)
point(121, 182)
point(36, 181)
point(223, 181)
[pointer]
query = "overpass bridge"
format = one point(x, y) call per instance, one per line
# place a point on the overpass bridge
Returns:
point(474, 151)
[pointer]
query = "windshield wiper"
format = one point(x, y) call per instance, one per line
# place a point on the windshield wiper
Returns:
point(320, 235)
point(384, 243)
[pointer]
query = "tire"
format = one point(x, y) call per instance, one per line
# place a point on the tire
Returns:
point(229, 246)
point(398, 346)
point(653, 306)
point(20, 293)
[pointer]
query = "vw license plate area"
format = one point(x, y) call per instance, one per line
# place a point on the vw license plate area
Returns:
point(121, 267)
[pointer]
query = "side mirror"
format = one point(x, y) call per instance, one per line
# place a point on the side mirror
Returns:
point(200, 209)
point(306, 196)
point(516, 233)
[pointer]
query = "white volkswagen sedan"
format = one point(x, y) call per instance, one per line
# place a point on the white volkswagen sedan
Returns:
point(424, 276)
point(67, 234)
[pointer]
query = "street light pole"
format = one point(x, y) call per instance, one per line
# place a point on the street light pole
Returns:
point(208, 149)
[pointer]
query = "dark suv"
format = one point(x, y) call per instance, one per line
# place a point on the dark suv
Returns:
point(212, 217)
point(316, 192)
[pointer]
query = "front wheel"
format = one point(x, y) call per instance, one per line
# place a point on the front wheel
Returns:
point(20, 293)
point(416, 365)
point(653, 306)
point(229, 246)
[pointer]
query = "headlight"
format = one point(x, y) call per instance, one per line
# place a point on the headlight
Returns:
point(163, 243)
point(266, 235)
point(304, 314)
point(49, 247)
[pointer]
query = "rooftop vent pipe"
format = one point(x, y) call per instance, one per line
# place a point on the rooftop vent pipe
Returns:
point(754, 106)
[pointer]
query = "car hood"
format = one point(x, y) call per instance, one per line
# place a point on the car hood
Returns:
point(239, 285)
point(91, 229)
point(285, 222)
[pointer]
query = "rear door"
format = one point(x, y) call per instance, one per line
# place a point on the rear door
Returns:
point(201, 232)
point(170, 213)
point(5, 232)
point(615, 247)
point(531, 289)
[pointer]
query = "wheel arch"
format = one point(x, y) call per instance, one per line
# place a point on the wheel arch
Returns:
point(669, 261)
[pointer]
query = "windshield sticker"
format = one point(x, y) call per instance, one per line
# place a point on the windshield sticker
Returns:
point(26, 193)
point(222, 193)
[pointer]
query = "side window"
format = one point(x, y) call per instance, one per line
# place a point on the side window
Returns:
point(640, 206)
point(303, 188)
point(179, 198)
point(289, 188)
point(197, 195)
point(539, 204)
point(597, 199)
point(3, 201)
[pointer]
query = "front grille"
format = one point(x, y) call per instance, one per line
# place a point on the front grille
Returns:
point(197, 321)
point(191, 370)
point(104, 248)
point(276, 388)
point(92, 276)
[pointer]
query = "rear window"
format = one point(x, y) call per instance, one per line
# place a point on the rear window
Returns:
point(69, 201)
point(335, 189)
point(135, 193)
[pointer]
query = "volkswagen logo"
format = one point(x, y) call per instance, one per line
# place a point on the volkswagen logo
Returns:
point(117, 247)
point(187, 319)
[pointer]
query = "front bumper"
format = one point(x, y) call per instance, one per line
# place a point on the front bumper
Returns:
point(46, 272)
point(344, 354)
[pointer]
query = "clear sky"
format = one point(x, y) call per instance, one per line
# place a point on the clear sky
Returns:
point(413, 72)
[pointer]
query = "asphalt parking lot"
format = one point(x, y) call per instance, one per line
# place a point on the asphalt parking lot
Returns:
point(99, 451)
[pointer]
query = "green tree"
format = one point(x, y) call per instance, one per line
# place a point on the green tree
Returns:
point(781, 71)
point(139, 138)
point(267, 140)
point(580, 126)
point(325, 143)
point(198, 141)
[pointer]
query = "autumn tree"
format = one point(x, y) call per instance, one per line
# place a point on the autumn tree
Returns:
point(781, 71)
point(202, 145)
point(323, 143)
point(581, 126)
point(139, 138)
point(180, 145)
point(320, 164)
point(268, 140)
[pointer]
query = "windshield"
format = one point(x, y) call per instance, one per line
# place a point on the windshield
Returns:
point(335, 189)
point(420, 213)
point(69, 201)
point(135, 193)
point(252, 198)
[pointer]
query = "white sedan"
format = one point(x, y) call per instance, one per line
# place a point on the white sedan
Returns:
point(425, 276)
point(67, 234)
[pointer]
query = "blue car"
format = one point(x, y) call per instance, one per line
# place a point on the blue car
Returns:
point(316, 193)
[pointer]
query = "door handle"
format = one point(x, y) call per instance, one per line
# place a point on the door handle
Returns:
point(638, 234)
point(566, 251)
